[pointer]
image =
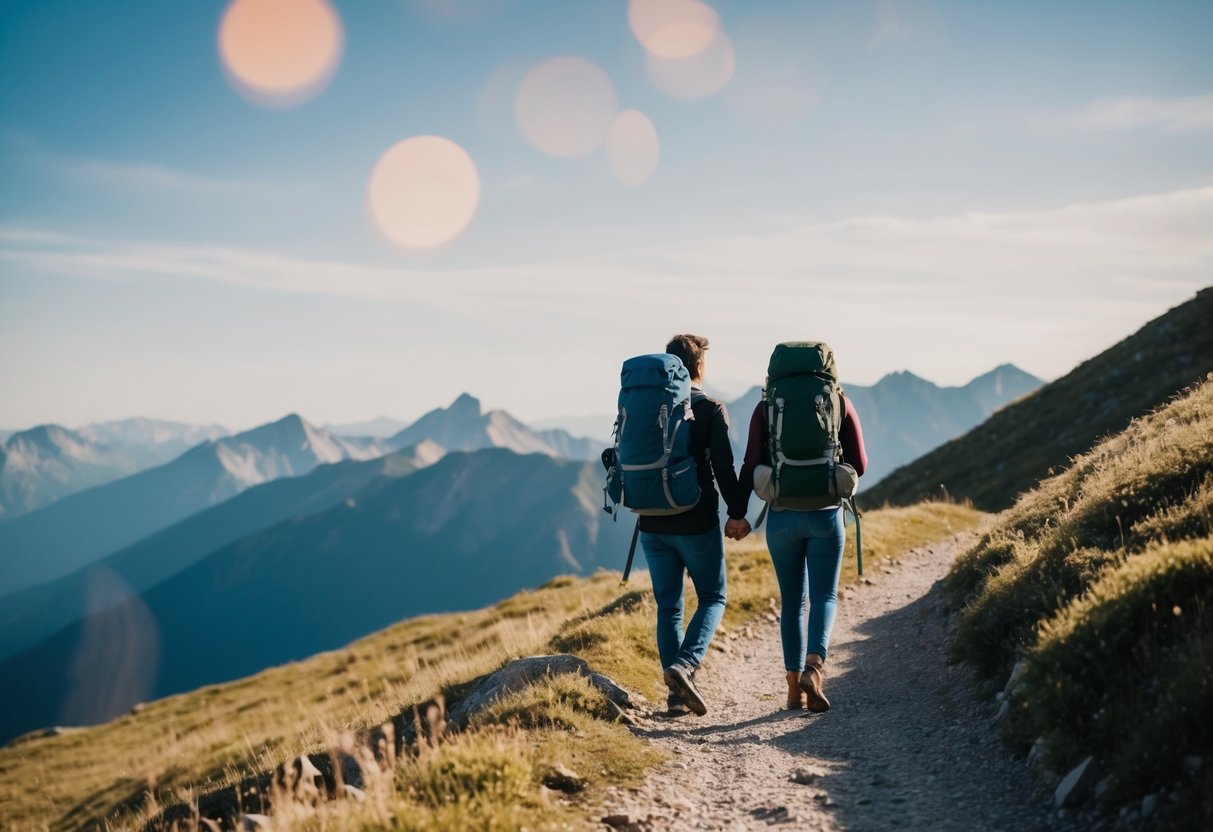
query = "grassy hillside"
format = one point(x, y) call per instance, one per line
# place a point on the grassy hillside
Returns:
point(123, 772)
point(1102, 580)
point(1012, 450)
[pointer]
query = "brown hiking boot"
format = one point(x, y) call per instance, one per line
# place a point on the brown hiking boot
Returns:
point(810, 683)
point(795, 694)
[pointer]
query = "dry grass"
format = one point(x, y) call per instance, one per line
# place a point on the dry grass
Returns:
point(118, 774)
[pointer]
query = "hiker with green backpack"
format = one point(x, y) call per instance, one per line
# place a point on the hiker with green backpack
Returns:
point(804, 457)
point(671, 441)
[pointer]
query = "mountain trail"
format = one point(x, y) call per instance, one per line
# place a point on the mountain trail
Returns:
point(907, 744)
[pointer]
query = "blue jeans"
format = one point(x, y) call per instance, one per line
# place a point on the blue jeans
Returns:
point(670, 557)
point(806, 549)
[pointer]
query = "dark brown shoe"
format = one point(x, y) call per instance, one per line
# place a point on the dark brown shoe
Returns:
point(679, 679)
point(810, 683)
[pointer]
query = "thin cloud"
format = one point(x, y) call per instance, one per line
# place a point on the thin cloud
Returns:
point(1156, 239)
point(1185, 113)
point(146, 175)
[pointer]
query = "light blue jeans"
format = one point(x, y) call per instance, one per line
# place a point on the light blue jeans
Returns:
point(670, 558)
point(806, 549)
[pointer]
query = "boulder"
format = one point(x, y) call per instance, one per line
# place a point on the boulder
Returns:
point(521, 673)
point(563, 779)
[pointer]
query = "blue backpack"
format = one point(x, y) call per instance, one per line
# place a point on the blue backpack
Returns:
point(650, 469)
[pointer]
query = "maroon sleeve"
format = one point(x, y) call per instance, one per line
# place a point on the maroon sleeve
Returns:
point(755, 448)
point(851, 436)
point(758, 438)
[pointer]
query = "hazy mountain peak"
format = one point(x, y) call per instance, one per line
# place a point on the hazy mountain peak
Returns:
point(466, 403)
point(48, 437)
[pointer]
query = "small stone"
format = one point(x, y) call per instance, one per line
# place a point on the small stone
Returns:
point(770, 616)
point(998, 697)
point(804, 776)
point(619, 821)
point(1149, 805)
point(1001, 714)
point(722, 646)
point(1016, 672)
point(1075, 786)
point(1103, 787)
point(563, 779)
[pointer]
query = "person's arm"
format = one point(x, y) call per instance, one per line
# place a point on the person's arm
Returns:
point(756, 444)
point(720, 451)
point(851, 437)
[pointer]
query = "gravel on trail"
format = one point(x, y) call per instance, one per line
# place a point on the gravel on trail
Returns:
point(907, 744)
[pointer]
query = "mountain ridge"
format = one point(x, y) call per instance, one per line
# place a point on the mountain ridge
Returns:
point(1019, 444)
point(65, 535)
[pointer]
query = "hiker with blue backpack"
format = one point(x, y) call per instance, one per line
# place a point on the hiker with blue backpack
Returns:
point(804, 457)
point(671, 442)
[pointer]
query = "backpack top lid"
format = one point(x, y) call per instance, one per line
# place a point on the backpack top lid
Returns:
point(795, 358)
point(660, 370)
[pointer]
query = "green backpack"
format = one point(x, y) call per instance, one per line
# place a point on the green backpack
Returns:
point(804, 410)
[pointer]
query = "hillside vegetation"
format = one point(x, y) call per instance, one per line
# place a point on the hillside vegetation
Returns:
point(179, 750)
point(1102, 580)
point(1017, 446)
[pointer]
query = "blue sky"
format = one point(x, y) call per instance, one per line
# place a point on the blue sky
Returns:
point(933, 186)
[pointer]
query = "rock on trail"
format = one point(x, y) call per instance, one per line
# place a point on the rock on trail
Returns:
point(907, 744)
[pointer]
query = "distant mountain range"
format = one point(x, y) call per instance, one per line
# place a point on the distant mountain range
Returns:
point(28, 616)
point(904, 416)
point(465, 531)
point(49, 462)
point(1009, 453)
point(83, 527)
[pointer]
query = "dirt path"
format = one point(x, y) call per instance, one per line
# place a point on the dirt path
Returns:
point(907, 744)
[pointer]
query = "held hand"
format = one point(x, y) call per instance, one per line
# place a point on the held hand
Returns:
point(736, 529)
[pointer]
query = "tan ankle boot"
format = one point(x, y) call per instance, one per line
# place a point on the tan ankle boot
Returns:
point(810, 683)
point(795, 696)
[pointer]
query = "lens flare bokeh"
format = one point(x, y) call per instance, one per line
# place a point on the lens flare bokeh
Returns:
point(633, 148)
point(423, 192)
point(279, 53)
point(698, 76)
point(673, 28)
point(565, 106)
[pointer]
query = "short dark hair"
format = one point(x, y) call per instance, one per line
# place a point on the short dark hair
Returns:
point(690, 348)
